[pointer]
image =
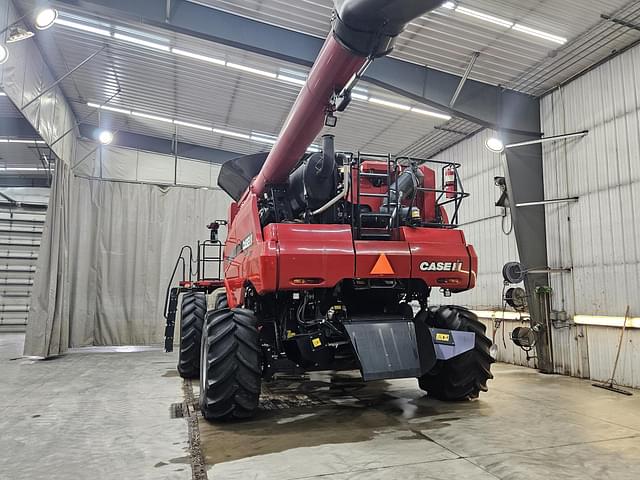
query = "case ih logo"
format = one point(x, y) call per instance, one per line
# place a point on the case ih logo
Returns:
point(441, 266)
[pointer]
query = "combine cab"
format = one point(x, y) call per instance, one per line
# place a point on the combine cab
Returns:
point(330, 258)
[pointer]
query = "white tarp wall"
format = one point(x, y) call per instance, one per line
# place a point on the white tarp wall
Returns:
point(600, 234)
point(481, 221)
point(23, 78)
point(109, 244)
point(125, 239)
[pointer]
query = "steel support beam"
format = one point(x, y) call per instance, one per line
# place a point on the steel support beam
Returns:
point(17, 127)
point(525, 183)
point(488, 105)
point(162, 146)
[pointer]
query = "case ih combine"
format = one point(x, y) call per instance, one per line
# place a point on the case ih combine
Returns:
point(325, 251)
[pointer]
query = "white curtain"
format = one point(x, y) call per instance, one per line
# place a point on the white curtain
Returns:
point(106, 261)
point(47, 326)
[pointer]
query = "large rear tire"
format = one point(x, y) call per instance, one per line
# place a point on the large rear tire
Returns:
point(231, 369)
point(465, 376)
point(193, 309)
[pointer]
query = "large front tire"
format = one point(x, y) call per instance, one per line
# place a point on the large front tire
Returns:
point(231, 369)
point(193, 310)
point(465, 376)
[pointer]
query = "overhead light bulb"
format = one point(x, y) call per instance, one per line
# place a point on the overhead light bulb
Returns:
point(4, 54)
point(46, 18)
point(495, 145)
point(17, 34)
point(105, 137)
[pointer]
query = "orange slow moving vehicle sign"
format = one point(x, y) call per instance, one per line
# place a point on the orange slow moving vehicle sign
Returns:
point(382, 266)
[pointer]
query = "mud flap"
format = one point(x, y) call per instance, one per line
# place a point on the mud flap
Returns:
point(451, 343)
point(401, 348)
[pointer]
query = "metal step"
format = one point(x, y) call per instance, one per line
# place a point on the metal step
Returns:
point(375, 234)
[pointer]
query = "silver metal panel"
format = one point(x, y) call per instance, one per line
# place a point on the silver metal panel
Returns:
point(599, 235)
point(20, 233)
point(603, 345)
point(480, 221)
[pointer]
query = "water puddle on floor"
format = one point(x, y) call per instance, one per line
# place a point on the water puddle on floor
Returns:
point(323, 409)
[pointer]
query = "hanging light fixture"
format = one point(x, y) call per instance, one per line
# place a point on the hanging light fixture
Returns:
point(495, 145)
point(4, 54)
point(45, 18)
point(17, 33)
point(105, 137)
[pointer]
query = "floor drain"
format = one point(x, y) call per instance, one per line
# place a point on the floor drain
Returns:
point(177, 410)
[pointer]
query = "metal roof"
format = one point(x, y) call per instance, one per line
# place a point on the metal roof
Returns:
point(20, 158)
point(190, 90)
point(446, 39)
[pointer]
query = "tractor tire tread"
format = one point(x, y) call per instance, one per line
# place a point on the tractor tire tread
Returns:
point(193, 311)
point(465, 376)
point(234, 369)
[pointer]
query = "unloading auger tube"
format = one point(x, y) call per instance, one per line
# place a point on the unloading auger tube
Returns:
point(361, 30)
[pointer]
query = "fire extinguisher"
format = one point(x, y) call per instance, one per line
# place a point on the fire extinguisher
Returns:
point(450, 185)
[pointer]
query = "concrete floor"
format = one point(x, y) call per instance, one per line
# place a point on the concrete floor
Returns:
point(98, 415)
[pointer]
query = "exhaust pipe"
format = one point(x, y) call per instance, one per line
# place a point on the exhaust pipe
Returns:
point(362, 29)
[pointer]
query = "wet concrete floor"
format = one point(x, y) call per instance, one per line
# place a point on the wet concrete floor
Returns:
point(529, 426)
point(120, 415)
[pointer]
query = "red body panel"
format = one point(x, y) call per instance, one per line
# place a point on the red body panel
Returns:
point(328, 254)
point(368, 252)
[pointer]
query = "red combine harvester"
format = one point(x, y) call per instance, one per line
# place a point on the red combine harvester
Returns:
point(327, 252)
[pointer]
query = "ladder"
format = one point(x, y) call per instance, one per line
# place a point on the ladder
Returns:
point(361, 220)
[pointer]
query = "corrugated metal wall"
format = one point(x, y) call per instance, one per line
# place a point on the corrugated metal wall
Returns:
point(20, 234)
point(481, 221)
point(599, 235)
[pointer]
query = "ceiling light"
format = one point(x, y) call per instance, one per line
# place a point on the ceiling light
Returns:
point(82, 26)
point(449, 5)
point(17, 34)
point(19, 140)
point(4, 56)
point(386, 103)
point(139, 41)
point(115, 109)
point(429, 113)
point(231, 134)
point(263, 139)
point(484, 16)
point(193, 125)
point(257, 71)
point(45, 18)
point(495, 145)
point(296, 81)
point(151, 117)
point(197, 56)
point(108, 108)
point(105, 137)
point(20, 169)
point(540, 34)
